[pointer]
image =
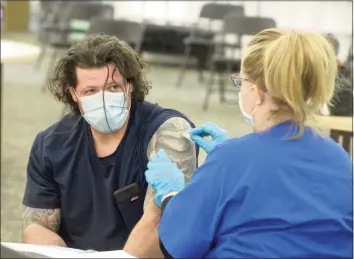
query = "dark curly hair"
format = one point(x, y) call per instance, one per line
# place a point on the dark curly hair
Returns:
point(96, 51)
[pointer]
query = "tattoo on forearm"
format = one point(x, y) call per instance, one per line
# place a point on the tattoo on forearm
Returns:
point(179, 149)
point(49, 218)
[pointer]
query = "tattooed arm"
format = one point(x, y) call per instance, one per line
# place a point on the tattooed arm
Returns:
point(179, 149)
point(143, 242)
point(40, 226)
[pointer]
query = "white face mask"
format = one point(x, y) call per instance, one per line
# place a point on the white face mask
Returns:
point(248, 118)
point(108, 115)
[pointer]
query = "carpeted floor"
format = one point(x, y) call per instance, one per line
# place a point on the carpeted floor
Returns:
point(26, 111)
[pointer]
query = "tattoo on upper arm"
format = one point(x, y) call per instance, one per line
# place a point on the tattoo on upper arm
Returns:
point(49, 218)
point(179, 149)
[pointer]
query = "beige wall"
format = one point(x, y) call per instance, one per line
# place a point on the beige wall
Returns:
point(16, 15)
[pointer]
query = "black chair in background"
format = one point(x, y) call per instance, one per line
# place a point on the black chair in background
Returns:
point(220, 62)
point(50, 16)
point(199, 42)
point(130, 32)
point(48, 11)
point(81, 11)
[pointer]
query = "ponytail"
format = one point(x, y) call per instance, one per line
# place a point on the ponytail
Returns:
point(298, 72)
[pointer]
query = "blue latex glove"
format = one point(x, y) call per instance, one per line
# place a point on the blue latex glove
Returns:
point(163, 176)
point(217, 134)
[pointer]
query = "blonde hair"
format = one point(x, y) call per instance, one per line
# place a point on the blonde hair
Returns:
point(297, 69)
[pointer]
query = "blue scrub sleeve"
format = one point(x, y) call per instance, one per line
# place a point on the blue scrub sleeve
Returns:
point(189, 222)
point(41, 189)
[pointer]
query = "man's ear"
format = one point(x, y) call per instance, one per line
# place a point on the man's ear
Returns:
point(73, 95)
point(129, 86)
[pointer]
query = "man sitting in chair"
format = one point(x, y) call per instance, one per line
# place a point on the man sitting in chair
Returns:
point(103, 145)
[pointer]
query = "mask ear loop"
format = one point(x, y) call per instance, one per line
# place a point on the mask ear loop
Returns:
point(125, 92)
point(77, 97)
point(258, 102)
point(103, 99)
point(126, 95)
point(82, 113)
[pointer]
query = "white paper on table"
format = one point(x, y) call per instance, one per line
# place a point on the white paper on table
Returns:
point(64, 252)
point(107, 254)
point(50, 251)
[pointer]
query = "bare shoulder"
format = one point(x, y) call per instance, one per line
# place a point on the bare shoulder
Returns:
point(48, 218)
point(180, 150)
point(170, 137)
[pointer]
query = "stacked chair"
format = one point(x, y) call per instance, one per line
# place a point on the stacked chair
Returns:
point(238, 26)
point(49, 24)
point(130, 32)
point(200, 42)
point(60, 34)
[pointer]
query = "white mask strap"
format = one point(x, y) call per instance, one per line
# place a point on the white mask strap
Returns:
point(254, 110)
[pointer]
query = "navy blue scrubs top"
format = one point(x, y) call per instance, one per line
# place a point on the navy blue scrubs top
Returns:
point(64, 172)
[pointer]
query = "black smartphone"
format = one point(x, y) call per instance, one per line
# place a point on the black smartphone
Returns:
point(127, 192)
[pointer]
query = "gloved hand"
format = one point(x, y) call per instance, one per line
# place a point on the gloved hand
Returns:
point(163, 176)
point(217, 134)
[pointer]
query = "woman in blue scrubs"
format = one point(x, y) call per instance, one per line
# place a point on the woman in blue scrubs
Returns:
point(284, 190)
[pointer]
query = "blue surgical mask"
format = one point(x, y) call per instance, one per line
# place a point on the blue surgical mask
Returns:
point(108, 115)
point(248, 118)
